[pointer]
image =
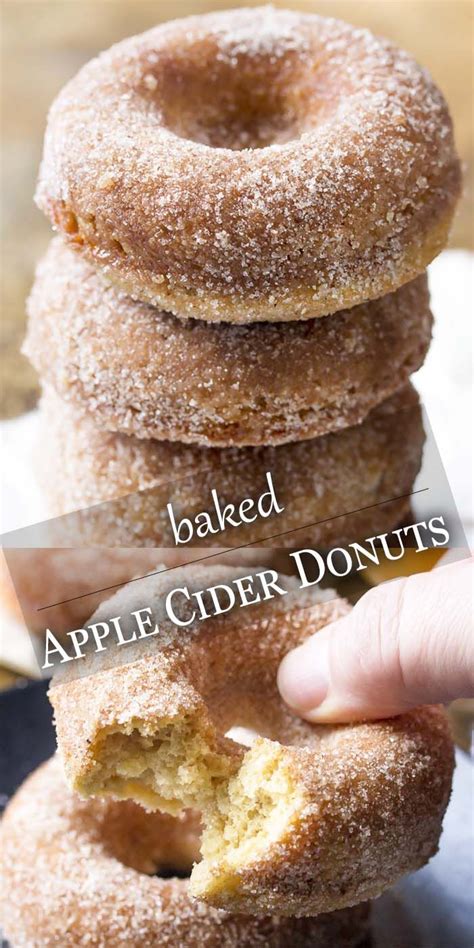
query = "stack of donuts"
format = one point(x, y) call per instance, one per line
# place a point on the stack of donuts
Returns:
point(246, 203)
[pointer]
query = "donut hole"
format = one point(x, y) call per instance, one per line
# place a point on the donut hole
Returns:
point(241, 734)
point(171, 872)
point(247, 797)
point(248, 101)
point(152, 844)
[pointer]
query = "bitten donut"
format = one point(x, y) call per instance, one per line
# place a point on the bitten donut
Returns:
point(307, 819)
point(149, 374)
point(76, 874)
point(249, 165)
point(341, 487)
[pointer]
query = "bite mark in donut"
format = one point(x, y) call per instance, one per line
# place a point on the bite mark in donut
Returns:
point(110, 875)
point(308, 819)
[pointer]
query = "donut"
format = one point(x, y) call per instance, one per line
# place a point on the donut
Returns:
point(152, 375)
point(77, 873)
point(350, 484)
point(256, 164)
point(308, 819)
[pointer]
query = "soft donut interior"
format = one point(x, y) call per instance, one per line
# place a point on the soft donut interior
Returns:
point(257, 807)
point(173, 767)
point(247, 797)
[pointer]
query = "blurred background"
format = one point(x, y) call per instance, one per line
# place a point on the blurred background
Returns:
point(46, 41)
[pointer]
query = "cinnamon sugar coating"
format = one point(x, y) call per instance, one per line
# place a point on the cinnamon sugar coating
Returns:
point(319, 482)
point(149, 374)
point(255, 164)
point(308, 819)
point(76, 874)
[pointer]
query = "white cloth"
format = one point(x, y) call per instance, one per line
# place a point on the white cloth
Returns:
point(433, 908)
point(445, 381)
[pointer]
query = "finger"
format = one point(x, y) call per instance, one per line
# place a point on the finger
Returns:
point(406, 643)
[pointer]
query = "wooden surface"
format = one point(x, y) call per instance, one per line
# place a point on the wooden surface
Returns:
point(46, 41)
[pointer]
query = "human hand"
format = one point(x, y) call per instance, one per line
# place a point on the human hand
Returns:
point(406, 643)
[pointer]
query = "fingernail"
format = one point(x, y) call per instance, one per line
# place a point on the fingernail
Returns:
point(303, 677)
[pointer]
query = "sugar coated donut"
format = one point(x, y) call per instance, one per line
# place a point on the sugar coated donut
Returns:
point(307, 819)
point(76, 874)
point(255, 164)
point(152, 375)
point(346, 485)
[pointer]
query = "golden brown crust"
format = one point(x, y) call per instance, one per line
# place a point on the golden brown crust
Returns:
point(252, 165)
point(76, 874)
point(319, 482)
point(149, 374)
point(365, 802)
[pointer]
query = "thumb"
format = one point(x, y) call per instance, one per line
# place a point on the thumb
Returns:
point(406, 643)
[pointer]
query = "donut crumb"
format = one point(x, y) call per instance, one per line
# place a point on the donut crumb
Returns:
point(248, 799)
point(257, 807)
